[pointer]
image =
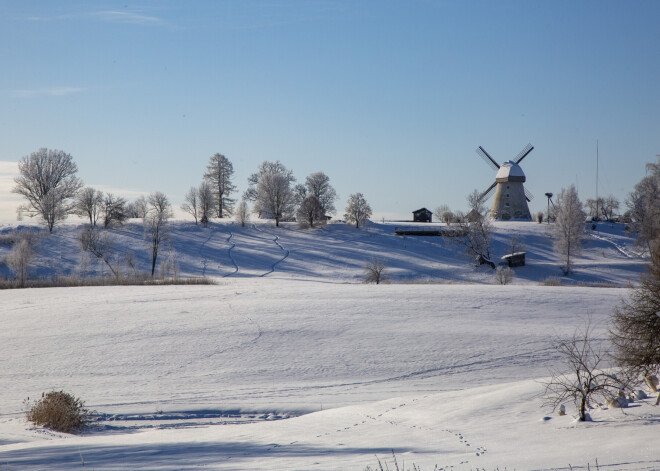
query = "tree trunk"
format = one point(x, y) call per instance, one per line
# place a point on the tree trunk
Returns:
point(583, 406)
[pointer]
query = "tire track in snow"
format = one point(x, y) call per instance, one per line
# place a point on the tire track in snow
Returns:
point(276, 241)
point(231, 256)
point(625, 252)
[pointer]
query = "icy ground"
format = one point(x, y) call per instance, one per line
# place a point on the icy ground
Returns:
point(306, 368)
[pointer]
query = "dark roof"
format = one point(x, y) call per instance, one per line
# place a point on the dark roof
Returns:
point(422, 210)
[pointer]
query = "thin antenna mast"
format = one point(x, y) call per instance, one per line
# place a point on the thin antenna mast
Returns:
point(596, 178)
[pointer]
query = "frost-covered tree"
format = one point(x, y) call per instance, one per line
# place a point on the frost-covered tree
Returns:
point(138, 208)
point(270, 189)
point(100, 245)
point(635, 329)
point(644, 206)
point(48, 182)
point(475, 229)
point(159, 211)
point(206, 202)
point(318, 185)
point(114, 210)
point(357, 209)
point(444, 214)
point(585, 377)
point(310, 212)
point(568, 229)
point(20, 258)
point(219, 173)
point(374, 271)
point(191, 202)
point(88, 203)
point(243, 213)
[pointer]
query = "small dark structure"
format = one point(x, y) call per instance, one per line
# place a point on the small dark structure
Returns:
point(515, 259)
point(483, 260)
point(422, 215)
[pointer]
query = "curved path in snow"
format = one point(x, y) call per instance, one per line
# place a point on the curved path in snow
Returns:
point(624, 251)
point(276, 241)
point(231, 257)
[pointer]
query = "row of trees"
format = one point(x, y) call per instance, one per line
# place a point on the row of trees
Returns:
point(48, 182)
point(273, 191)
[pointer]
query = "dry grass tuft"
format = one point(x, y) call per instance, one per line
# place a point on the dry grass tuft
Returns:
point(59, 411)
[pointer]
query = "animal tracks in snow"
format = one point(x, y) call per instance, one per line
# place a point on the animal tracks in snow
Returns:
point(444, 435)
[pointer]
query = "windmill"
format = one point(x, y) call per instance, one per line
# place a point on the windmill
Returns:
point(511, 197)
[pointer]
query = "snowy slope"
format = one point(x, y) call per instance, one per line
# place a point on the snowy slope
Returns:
point(338, 252)
point(442, 374)
point(290, 362)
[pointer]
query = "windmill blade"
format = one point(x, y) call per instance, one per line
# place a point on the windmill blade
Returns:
point(487, 158)
point(487, 194)
point(523, 153)
point(528, 194)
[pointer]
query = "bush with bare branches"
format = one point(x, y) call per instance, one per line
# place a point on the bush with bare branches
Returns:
point(374, 271)
point(586, 380)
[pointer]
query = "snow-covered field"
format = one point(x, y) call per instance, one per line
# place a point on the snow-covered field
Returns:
point(290, 363)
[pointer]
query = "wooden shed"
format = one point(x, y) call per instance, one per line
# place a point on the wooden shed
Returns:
point(422, 215)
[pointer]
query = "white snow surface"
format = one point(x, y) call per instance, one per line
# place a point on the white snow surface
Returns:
point(290, 363)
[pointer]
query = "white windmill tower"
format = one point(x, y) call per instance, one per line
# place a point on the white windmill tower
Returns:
point(511, 197)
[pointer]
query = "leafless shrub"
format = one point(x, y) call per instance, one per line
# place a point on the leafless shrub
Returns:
point(539, 217)
point(551, 281)
point(374, 271)
point(243, 213)
point(59, 411)
point(503, 275)
point(99, 244)
point(586, 380)
point(19, 260)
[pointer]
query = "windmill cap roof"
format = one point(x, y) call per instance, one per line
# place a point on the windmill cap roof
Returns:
point(510, 171)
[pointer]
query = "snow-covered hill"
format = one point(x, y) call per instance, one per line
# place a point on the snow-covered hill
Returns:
point(338, 252)
point(289, 362)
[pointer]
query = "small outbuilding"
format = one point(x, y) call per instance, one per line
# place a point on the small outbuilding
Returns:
point(422, 215)
point(515, 259)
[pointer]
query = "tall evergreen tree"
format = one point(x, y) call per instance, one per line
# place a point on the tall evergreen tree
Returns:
point(219, 173)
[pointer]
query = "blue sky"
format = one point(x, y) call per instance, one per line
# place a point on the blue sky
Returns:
point(388, 98)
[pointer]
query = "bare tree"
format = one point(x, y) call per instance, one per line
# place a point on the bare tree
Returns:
point(477, 205)
point(357, 209)
point(594, 207)
point(191, 202)
point(610, 205)
point(155, 223)
point(99, 244)
point(475, 238)
point(476, 229)
point(20, 259)
point(586, 379)
point(503, 275)
point(219, 173)
point(444, 214)
point(270, 189)
point(644, 206)
point(635, 328)
point(374, 271)
point(266, 168)
point(139, 207)
point(568, 229)
point(318, 185)
point(243, 213)
point(88, 203)
point(206, 201)
point(114, 210)
point(48, 182)
point(310, 212)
